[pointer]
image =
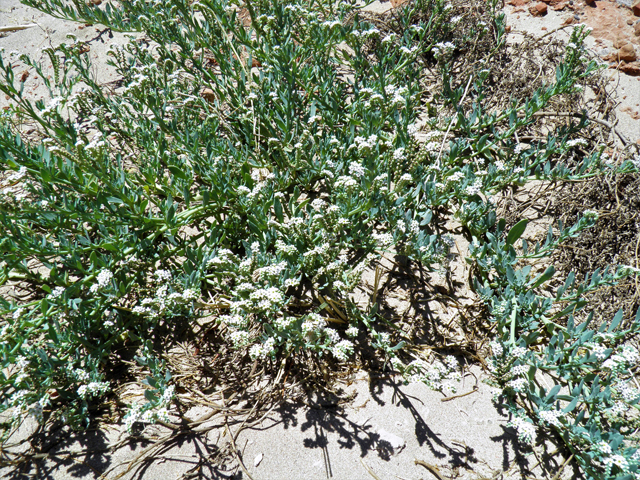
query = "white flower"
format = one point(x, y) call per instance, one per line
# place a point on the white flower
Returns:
point(518, 385)
point(617, 460)
point(318, 204)
point(629, 394)
point(599, 351)
point(389, 38)
point(345, 181)
point(497, 348)
point(520, 148)
point(399, 154)
point(239, 338)
point(519, 352)
point(614, 362)
point(526, 430)
point(332, 335)
point(603, 448)
point(356, 170)
point(56, 292)
point(457, 176)
point(162, 275)
point(552, 417)
point(408, 51)
point(383, 239)
point(577, 141)
point(630, 354)
point(519, 370)
point(342, 350)
point(103, 279)
point(83, 391)
point(352, 331)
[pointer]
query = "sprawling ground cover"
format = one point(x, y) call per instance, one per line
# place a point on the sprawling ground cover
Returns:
point(253, 162)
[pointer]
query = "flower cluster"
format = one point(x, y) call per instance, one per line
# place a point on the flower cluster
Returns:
point(103, 280)
point(525, 429)
point(93, 389)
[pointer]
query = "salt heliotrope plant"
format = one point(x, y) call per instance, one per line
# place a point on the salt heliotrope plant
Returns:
point(253, 161)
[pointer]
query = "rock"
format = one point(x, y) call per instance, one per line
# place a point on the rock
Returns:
point(636, 29)
point(632, 69)
point(604, 53)
point(538, 10)
point(590, 2)
point(257, 460)
point(208, 94)
point(390, 443)
point(627, 53)
point(635, 8)
point(620, 42)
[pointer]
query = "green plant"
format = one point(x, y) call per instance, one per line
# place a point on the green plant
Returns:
point(250, 175)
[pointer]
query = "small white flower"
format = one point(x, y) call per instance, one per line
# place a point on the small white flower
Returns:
point(352, 331)
point(497, 348)
point(342, 350)
point(520, 148)
point(526, 430)
point(577, 142)
point(519, 352)
point(552, 417)
point(519, 370)
point(389, 38)
point(518, 385)
point(103, 279)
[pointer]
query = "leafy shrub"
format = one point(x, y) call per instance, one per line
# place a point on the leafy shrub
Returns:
point(250, 175)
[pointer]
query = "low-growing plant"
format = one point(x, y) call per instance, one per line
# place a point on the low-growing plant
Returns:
point(254, 160)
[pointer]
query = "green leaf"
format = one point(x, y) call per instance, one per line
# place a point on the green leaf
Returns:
point(615, 322)
point(178, 172)
point(277, 207)
point(571, 407)
point(552, 393)
point(44, 306)
point(152, 382)
point(548, 273)
point(141, 360)
point(150, 396)
point(516, 231)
